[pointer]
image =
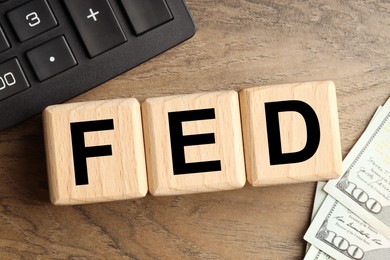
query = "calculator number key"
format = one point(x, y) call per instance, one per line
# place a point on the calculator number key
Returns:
point(31, 19)
point(12, 78)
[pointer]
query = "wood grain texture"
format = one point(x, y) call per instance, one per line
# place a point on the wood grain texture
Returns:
point(238, 44)
point(121, 175)
point(295, 131)
point(226, 150)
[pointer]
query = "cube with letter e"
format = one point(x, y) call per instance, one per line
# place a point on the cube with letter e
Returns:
point(193, 143)
point(95, 151)
point(291, 133)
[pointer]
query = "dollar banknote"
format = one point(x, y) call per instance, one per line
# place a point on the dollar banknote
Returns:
point(364, 187)
point(342, 235)
point(315, 254)
point(312, 252)
point(318, 200)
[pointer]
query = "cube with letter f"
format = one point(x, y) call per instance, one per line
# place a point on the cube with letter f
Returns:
point(95, 151)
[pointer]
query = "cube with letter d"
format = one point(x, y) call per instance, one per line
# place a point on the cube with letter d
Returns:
point(193, 143)
point(95, 151)
point(291, 133)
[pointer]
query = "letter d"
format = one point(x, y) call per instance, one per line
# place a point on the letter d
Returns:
point(272, 110)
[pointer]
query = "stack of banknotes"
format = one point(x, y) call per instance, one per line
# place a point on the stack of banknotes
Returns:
point(352, 214)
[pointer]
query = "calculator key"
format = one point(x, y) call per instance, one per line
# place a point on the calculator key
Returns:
point(31, 19)
point(4, 45)
point(145, 15)
point(12, 78)
point(51, 58)
point(97, 25)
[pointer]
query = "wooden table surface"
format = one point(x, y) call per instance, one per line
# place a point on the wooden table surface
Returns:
point(238, 44)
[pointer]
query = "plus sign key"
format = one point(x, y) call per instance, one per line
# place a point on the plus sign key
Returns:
point(97, 25)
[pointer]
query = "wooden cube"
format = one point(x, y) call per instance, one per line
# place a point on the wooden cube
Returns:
point(193, 143)
point(95, 151)
point(291, 133)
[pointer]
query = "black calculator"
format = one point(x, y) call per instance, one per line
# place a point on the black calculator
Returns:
point(53, 50)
